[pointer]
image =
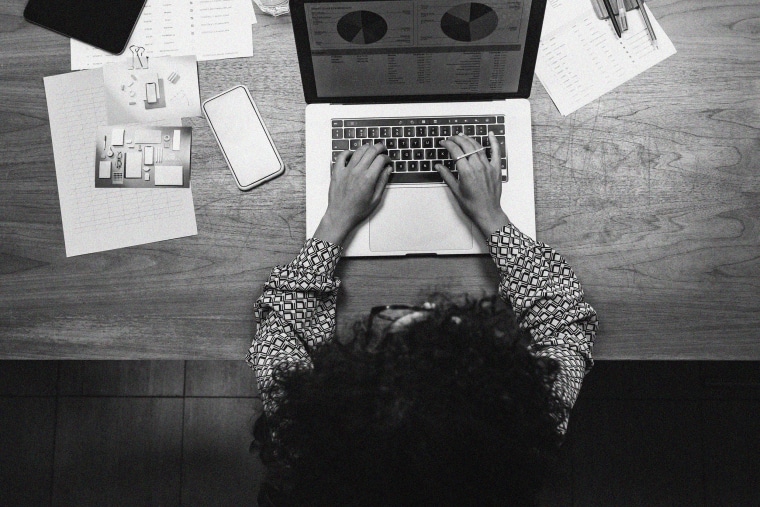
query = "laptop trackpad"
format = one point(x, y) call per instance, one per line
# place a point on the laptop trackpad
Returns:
point(419, 219)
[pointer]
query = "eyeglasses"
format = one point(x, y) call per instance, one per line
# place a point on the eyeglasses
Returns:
point(388, 319)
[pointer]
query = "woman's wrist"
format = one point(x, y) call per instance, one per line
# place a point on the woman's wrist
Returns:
point(492, 222)
point(332, 229)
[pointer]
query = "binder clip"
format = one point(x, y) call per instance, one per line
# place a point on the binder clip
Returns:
point(137, 53)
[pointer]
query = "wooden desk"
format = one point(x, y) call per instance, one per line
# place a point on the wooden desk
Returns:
point(652, 193)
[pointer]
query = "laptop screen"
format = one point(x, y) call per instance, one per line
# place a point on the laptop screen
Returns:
point(386, 48)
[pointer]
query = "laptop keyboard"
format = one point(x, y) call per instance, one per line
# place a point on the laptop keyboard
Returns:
point(413, 144)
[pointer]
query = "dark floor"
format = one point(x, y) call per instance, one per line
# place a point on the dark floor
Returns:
point(177, 433)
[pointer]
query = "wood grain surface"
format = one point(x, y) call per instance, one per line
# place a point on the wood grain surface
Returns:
point(651, 193)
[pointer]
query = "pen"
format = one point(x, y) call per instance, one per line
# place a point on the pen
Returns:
point(611, 14)
point(652, 36)
point(621, 13)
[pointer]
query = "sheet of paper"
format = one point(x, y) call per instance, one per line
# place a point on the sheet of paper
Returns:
point(97, 219)
point(211, 30)
point(580, 57)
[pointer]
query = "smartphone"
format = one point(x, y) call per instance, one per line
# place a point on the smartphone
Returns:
point(245, 142)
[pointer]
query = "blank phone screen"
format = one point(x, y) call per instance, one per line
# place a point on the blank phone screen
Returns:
point(242, 136)
point(103, 24)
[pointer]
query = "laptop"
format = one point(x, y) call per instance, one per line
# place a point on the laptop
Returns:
point(409, 73)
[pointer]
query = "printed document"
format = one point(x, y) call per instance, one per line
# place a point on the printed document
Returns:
point(97, 219)
point(211, 30)
point(580, 57)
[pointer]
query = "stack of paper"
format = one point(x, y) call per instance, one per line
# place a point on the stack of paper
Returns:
point(580, 57)
point(211, 30)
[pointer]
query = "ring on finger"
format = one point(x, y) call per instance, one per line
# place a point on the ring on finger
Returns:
point(468, 154)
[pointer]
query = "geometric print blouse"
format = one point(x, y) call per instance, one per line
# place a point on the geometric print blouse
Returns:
point(296, 310)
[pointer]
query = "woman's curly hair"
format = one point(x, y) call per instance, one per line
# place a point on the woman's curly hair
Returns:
point(452, 410)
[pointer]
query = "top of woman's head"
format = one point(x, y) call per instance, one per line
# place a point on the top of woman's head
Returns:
point(451, 409)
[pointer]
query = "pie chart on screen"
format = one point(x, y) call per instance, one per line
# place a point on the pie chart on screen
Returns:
point(469, 22)
point(362, 27)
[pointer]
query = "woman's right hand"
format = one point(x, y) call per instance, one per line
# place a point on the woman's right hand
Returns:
point(478, 189)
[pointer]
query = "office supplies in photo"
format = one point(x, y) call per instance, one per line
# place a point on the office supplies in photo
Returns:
point(117, 137)
point(146, 177)
point(645, 17)
point(406, 55)
point(173, 77)
point(147, 136)
point(211, 30)
point(105, 25)
point(176, 141)
point(168, 175)
point(151, 93)
point(245, 142)
point(613, 18)
point(104, 170)
point(133, 165)
point(148, 155)
point(580, 59)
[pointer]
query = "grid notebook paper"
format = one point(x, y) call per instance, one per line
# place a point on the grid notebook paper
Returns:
point(97, 219)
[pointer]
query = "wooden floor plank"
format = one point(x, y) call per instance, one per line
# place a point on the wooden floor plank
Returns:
point(220, 378)
point(218, 468)
point(27, 435)
point(121, 378)
point(732, 452)
point(637, 453)
point(118, 451)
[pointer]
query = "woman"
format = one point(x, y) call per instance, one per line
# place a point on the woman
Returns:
point(452, 402)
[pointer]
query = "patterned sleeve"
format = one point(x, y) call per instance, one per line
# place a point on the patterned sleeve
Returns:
point(295, 313)
point(548, 301)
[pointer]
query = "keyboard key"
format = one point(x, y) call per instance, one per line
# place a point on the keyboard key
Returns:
point(456, 130)
point(427, 142)
point(481, 130)
point(496, 129)
point(421, 131)
point(431, 153)
point(337, 123)
point(412, 165)
point(445, 131)
point(340, 145)
point(399, 166)
point(403, 143)
point(373, 132)
point(349, 133)
point(337, 133)
point(354, 144)
point(335, 155)
point(425, 165)
point(443, 153)
point(415, 142)
point(408, 131)
point(406, 154)
point(449, 164)
point(385, 132)
point(361, 132)
point(469, 130)
point(397, 132)
point(394, 154)
point(437, 142)
point(499, 119)
point(433, 130)
point(419, 154)
point(390, 143)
